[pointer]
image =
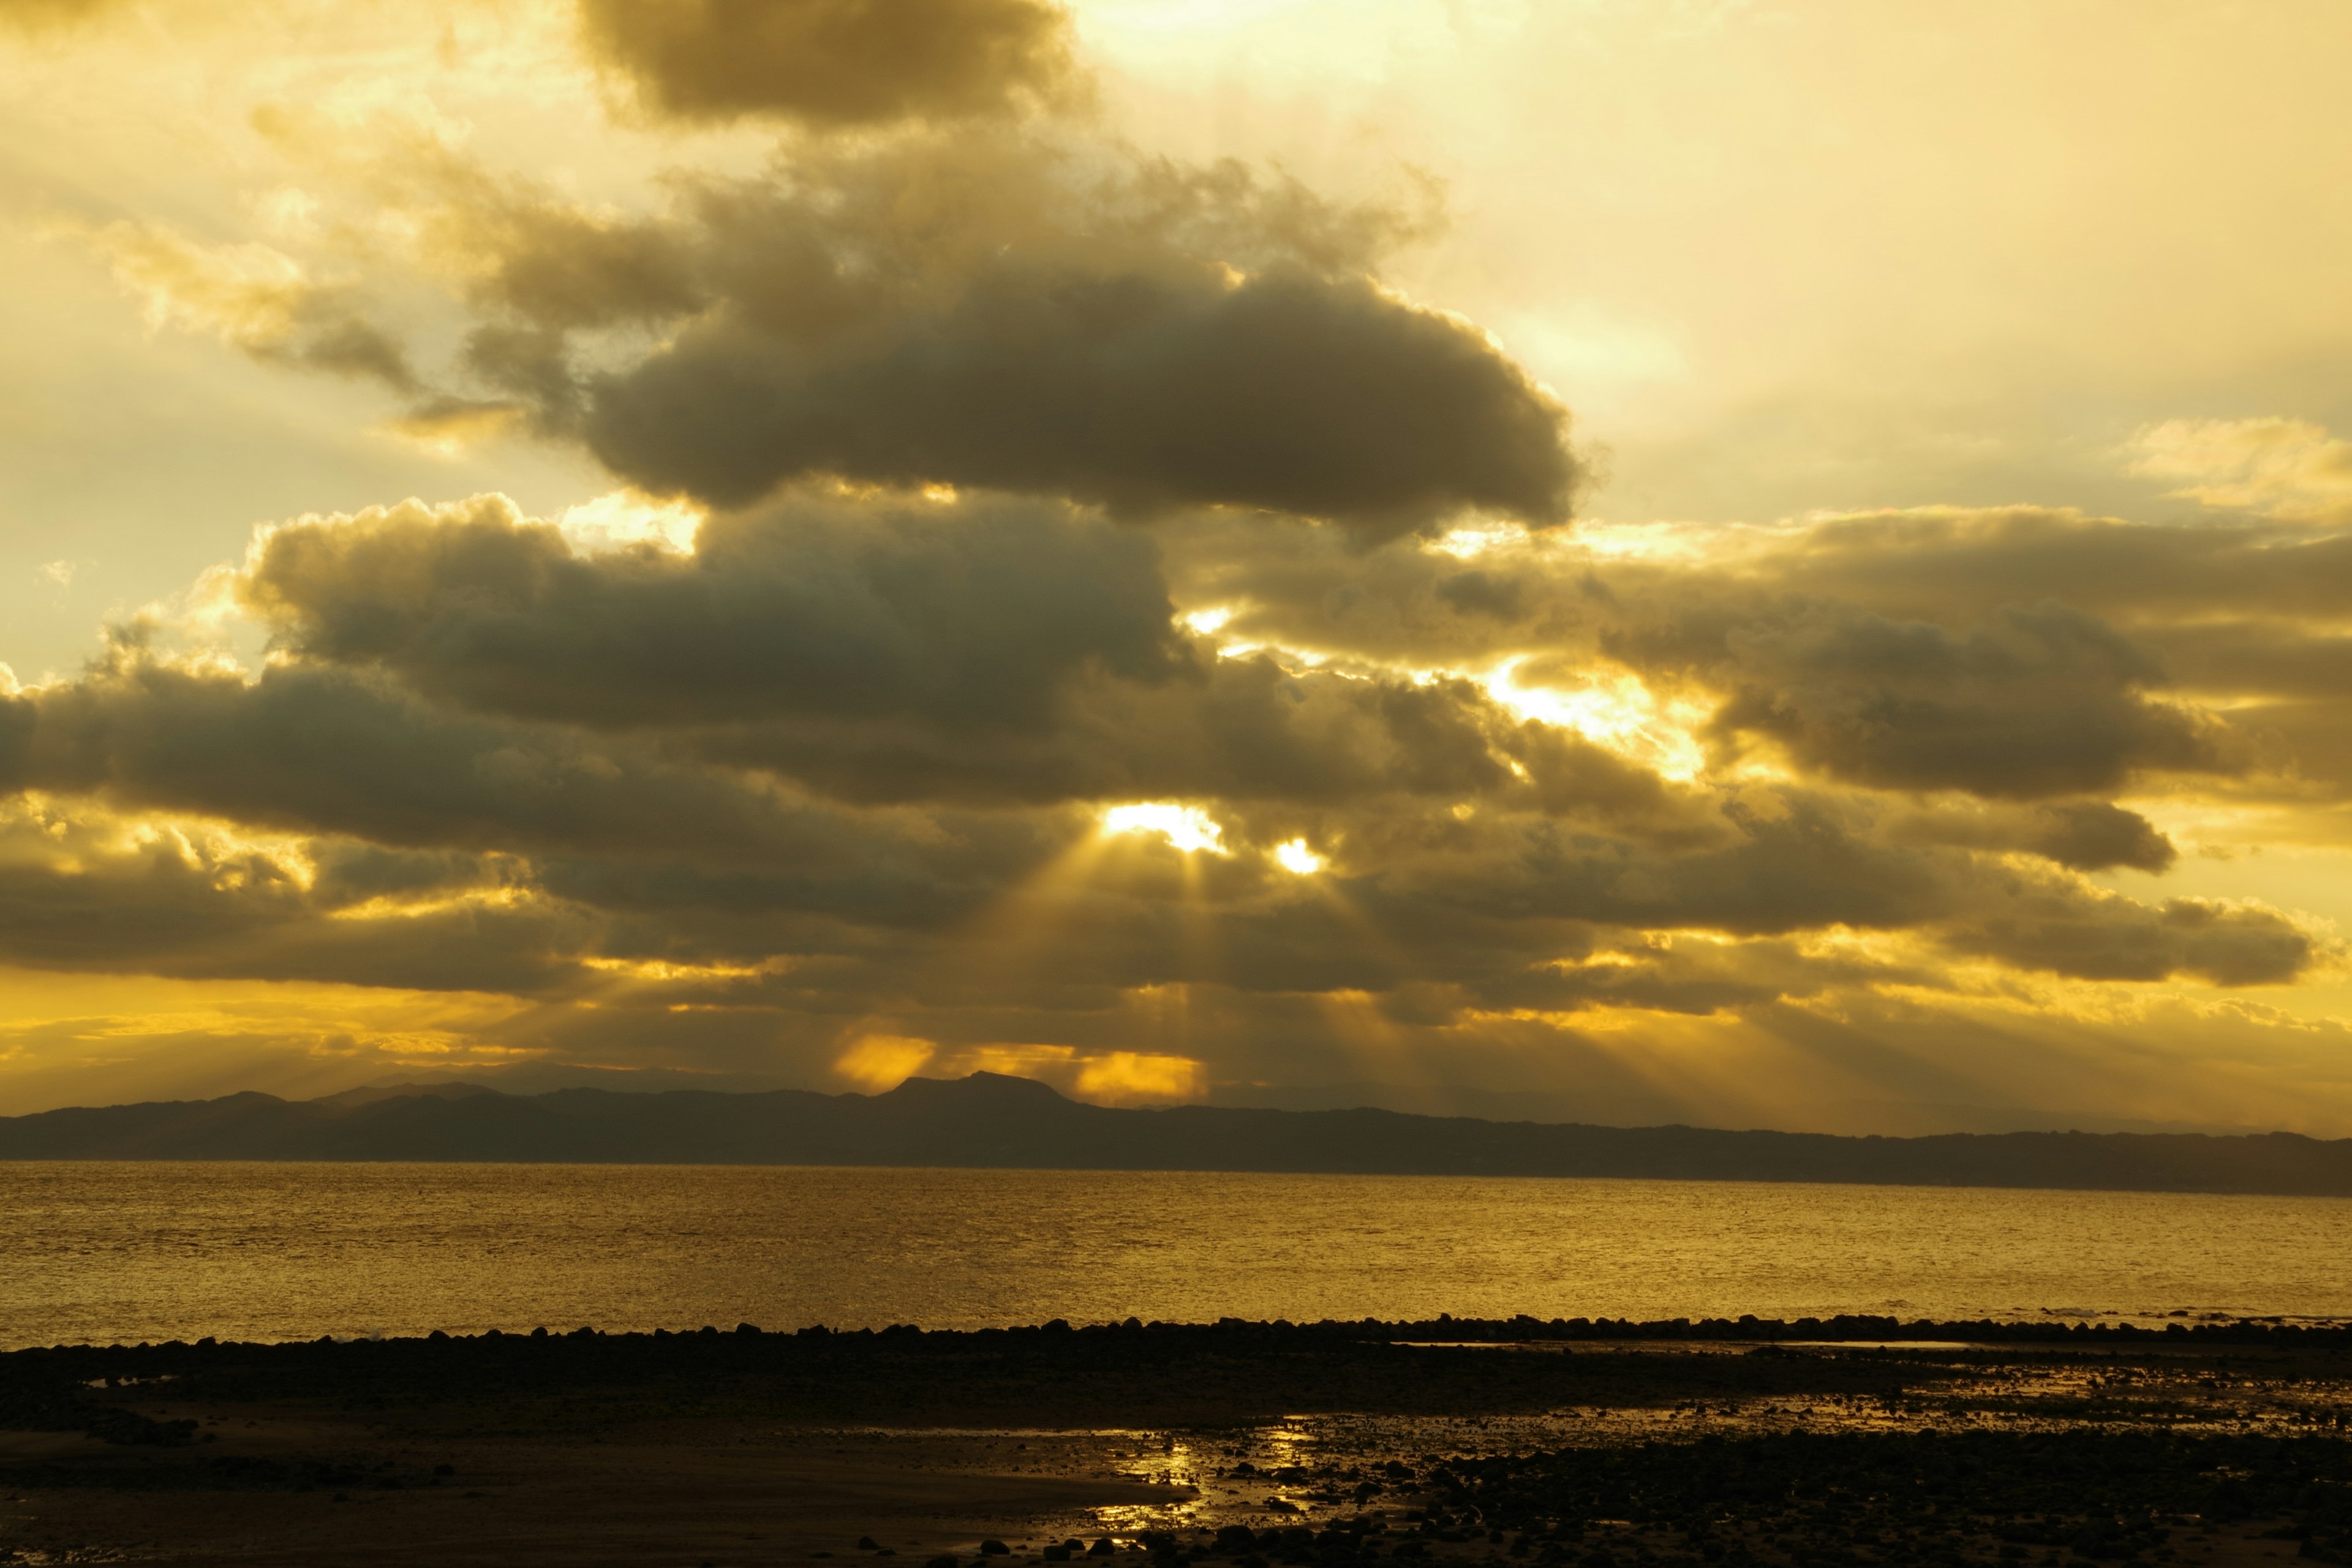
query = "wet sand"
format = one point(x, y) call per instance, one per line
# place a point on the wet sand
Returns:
point(1241, 1445)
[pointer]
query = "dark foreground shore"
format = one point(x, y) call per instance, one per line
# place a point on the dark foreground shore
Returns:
point(1599, 1444)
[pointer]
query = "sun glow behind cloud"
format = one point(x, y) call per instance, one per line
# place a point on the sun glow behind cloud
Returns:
point(620, 520)
point(1296, 857)
point(1188, 828)
point(1612, 706)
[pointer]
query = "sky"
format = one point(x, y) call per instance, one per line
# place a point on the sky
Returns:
point(1754, 562)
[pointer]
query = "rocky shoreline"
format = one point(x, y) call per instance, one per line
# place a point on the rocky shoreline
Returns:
point(1512, 1441)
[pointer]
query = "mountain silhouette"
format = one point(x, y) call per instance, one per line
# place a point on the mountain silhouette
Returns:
point(990, 1121)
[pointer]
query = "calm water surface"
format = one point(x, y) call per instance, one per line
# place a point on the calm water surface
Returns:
point(93, 1252)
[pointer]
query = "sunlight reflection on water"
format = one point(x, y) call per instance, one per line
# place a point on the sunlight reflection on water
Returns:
point(156, 1251)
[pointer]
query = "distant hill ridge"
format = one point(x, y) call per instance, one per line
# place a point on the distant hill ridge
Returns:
point(990, 1120)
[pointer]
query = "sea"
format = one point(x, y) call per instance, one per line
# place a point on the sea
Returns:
point(121, 1253)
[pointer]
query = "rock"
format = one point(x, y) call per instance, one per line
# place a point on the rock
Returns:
point(994, 1548)
point(868, 1543)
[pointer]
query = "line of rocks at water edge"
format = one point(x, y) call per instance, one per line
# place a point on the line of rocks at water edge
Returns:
point(1202, 1373)
point(47, 1388)
point(2279, 1330)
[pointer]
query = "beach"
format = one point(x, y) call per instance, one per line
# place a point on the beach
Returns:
point(1848, 1441)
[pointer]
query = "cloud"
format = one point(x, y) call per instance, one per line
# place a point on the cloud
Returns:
point(438, 690)
point(966, 615)
point(2115, 939)
point(1315, 396)
point(313, 749)
point(2083, 835)
point(1017, 309)
point(85, 889)
point(1010, 315)
point(2285, 467)
point(710, 741)
point(2042, 700)
point(37, 15)
point(252, 296)
point(898, 648)
point(2011, 653)
point(832, 62)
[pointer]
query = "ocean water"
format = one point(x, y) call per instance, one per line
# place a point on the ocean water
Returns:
point(104, 1252)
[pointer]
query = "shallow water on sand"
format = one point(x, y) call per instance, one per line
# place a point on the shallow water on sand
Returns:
point(103, 1252)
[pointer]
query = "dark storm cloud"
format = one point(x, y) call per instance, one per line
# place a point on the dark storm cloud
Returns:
point(2270, 655)
point(94, 893)
point(1004, 312)
point(1493, 905)
point(2083, 835)
point(318, 750)
point(2089, 939)
point(1318, 396)
point(1880, 651)
point(822, 639)
point(889, 648)
point(633, 736)
point(1243, 729)
point(2041, 701)
point(1508, 913)
point(967, 616)
point(1946, 559)
point(1442, 911)
point(18, 717)
point(1803, 861)
point(832, 62)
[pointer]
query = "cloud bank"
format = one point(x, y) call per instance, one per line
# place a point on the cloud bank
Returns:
point(1122, 635)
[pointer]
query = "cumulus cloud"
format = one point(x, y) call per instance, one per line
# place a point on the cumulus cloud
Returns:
point(966, 615)
point(1318, 396)
point(1014, 308)
point(1017, 316)
point(832, 62)
point(899, 647)
point(2011, 653)
point(2043, 700)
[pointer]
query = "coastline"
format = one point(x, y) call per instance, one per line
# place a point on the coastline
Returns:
point(1457, 1441)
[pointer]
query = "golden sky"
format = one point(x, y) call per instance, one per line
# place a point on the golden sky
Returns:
point(1748, 562)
